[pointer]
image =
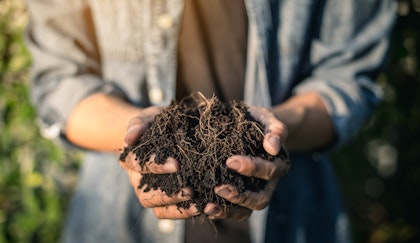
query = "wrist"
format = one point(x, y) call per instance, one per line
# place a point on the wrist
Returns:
point(292, 116)
point(308, 121)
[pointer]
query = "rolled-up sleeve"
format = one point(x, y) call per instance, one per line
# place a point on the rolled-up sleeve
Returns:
point(66, 62)
point(346, 57)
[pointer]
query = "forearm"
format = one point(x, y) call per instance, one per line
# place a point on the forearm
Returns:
point(308, 122)
point(99, 122)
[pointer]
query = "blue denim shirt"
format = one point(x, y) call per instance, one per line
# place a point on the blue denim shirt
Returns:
point(128, 48)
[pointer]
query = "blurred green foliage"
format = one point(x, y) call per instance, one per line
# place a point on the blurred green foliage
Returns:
point(32, 199)
point(379, 171)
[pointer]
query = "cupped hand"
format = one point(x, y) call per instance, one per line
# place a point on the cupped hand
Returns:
point(271, 171)
point(164, 206)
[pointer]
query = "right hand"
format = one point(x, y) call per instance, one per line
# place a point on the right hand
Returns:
point(163, 206)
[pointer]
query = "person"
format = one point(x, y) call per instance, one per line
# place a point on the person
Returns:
point(306, 68)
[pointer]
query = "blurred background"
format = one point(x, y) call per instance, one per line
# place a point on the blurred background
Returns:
point(379, 171)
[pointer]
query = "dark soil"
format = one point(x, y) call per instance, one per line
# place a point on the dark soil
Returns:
point(201, 134)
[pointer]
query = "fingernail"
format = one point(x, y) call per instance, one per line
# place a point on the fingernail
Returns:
point(170, 166)
point(134, 128)
point(224, 192)
point(274, 142)
point(233, 164)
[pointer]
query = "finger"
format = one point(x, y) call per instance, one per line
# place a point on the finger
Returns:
point(130, 163)
point(257, 167)
point(275, 131)
point(135, 131)
point(214, 211)
point(171, 165)
point(159, 198)
point(175, 212)
point(248, 199)
point(138, 125)
point(134, 171)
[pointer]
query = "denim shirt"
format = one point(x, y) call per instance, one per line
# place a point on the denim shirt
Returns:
point(128, 48)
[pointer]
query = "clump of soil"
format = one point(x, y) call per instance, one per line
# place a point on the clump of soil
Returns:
point(201, 134)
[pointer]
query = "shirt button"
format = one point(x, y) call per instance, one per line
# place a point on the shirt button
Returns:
point(156, 95)
point(165, 21)
point(166, 226)
point(51, 132)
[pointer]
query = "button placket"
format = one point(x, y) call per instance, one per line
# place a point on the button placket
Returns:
point(166, 226)
point(165, 21)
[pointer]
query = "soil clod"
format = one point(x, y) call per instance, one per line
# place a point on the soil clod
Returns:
point(201, 134)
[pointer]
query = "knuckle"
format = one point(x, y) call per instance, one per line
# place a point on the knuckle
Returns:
point(272, 172)
point(262, 169)
point(261, 205)
point(248, 166)
point(243, 199)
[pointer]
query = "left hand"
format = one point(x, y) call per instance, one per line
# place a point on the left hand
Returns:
point(275, 136)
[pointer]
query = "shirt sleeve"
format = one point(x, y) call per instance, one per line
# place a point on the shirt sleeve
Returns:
point(346, 57)
point(66, 62)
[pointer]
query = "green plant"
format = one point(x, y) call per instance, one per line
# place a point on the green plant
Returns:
point(32, 200)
